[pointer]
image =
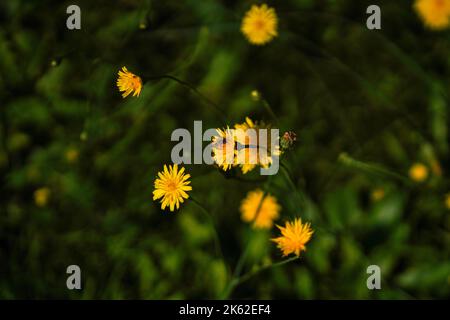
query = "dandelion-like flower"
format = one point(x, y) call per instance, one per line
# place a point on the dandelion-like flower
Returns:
point(260, 24)
point(294, 236)
point(129, 82)
point(41, 196)
point(224, 148)
point(242, 147)
point(259, 209)
point(171, 186)
point(434, 13)
point(251, 151)
point(418, 172)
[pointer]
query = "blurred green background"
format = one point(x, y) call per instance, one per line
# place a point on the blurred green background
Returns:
point(78, 162)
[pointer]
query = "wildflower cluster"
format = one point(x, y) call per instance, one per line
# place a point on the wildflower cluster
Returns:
point(242, 146)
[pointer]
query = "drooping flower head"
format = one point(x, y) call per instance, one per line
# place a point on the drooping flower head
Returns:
point(434, 13)
point(128, 82)
point(259, 209)
point(260, 24)
point(171, 186)
point(294, 236)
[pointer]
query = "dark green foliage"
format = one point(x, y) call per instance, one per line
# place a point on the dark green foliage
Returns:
point(365, 106)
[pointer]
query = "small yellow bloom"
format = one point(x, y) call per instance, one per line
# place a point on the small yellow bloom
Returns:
point(262, 212)
point(434, 13)
point(41, 196)
point(260, 24)
point(418, 172)
point(447, 201)
point(172, 186)
point(241, 129)
point(294, 236)
point(255, 95)
point(71, 155)
point(128, 82)
point(377, 194)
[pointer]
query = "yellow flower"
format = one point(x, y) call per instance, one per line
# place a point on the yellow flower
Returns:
point(377, 194)
point(260, 24)
point(172, 186)
point(241, 129)
point(251, 153)
point(447, 201)
point(239, 146)
point(71, 155)
point(255, 95)
point(262, 212)
point(41, 196)
point(129, 82)
point(434, 13)
point(294, 236)
point(224, 149)
point(418, 172)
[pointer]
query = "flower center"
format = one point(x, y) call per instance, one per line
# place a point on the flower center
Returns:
point(172, 186)
point(135, 82)
point(259, 24)
point(439, 3)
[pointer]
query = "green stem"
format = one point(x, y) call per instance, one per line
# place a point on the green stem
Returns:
point(241, 262)
point(208, 101)
point(250, 274)
point(292, 185)
point(347, 160)
point(217, 245)
point(239, 280)
point(269, 110)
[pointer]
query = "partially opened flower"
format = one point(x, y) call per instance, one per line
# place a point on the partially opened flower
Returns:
point(434, 13)
point(259, 209)
point(294, 236)
point(128, 82)
point(171, 187)
point(260, 24)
